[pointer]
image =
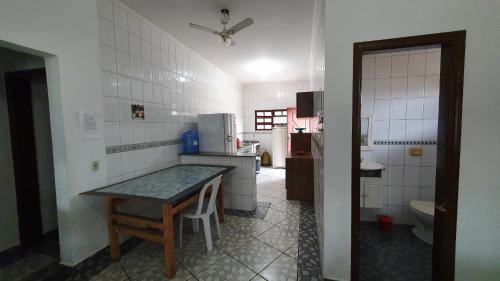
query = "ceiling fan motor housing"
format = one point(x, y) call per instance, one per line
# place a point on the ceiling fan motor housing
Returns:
point(225, 16)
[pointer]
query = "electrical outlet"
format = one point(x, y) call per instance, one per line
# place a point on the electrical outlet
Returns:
point(95, 166)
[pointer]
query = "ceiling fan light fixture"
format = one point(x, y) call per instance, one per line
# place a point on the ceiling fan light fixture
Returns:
point(226, 42)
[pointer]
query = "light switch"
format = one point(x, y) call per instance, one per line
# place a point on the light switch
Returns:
point(95, 166)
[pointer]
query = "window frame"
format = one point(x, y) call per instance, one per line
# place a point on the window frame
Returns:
point(273, 114)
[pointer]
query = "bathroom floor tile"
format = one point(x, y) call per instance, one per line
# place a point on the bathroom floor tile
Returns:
point(284, 268)
point(256, 255)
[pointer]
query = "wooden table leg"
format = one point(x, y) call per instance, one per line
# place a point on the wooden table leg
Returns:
point(114, 243)
point(220, 201)
point(168, 240)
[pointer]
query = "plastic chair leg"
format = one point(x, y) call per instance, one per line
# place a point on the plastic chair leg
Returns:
point(208, 233)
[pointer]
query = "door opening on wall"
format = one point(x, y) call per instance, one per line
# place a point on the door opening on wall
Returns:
point(24, 102)
point(405, 156)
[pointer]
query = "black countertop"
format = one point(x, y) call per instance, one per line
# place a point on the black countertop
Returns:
point(237, 154)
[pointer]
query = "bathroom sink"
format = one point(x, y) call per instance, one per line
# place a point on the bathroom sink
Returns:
point(371, 165)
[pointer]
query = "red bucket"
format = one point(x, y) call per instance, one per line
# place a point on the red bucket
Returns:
point(385, 223)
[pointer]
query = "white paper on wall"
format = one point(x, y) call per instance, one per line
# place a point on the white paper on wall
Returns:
point(90, 124)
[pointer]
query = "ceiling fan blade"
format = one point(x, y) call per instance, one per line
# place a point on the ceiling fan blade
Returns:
point(199, 27)
point(239, 26)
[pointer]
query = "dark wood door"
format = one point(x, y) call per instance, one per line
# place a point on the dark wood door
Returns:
point(19, 103)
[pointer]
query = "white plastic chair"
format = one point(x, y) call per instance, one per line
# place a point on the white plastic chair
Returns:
point(202, 211)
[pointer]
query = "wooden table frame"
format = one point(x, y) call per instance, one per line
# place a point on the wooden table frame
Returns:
point(155, 230)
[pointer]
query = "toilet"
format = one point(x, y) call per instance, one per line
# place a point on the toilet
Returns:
point(424, 212)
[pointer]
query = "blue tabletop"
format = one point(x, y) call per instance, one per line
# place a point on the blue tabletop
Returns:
point(166, 185)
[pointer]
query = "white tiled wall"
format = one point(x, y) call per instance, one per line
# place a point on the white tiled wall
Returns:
point(400, 90)
point(141, 64)
point(267, 96)
point(240, 188)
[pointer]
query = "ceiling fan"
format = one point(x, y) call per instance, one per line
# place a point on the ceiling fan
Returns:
point(226, 33)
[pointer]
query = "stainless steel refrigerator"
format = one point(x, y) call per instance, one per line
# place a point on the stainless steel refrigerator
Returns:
point(217, 132)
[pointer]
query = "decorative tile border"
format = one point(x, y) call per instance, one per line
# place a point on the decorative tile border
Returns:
point(139, 146)
point(309, 264)
point(403, 142)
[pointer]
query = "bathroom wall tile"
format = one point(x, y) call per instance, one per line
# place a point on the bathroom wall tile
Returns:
point(125, 110)
point(122, 63)
point(138, 132)
point(413, 129)
point(399, 87)
point(367, 107)
point(126, 133)
point(431, 108)
point(134, 45)
point(124, 87)
point(149, 132)
point(147, 91)
point(383, 89)
point(416, 64)
point(430, 129)
point(383, 67)
point(110, 105)
point(410, 193)
point(367, 89)
point(105, 9)
point(432, 86)
point(399, 66)
point(416, 86)
point(412, 176)
point(120, 16)
point(381, 154)
point(156, 55)
point(414, 108)
point(397, 130)
point(108, 58)
point(367, 155)
point(134, 24)
point(136, 68)
point(146, 50)
point(396, 212)
point(111, 133)
point(381, 110)
point(428, 176)
point(106, 32)
point(108, 83)
point(396, 154)
point(114, 165)
point(121, 39)
point(147, 71)
point(397, 109)
point(145, 31)
point(139, 160)
point(412, 160)
point(136, 89)
point(395, 195)
point(433, 63)
point(427, 194)
point(429, 155)
point(395, 175)
point(127, 162)
point(380, 130)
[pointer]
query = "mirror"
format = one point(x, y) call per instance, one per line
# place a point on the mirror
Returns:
point(366, 133)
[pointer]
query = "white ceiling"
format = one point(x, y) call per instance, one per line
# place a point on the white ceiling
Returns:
point(281, 33)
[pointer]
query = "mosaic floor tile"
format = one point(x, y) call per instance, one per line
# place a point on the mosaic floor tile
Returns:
point(226, 269)
point(284, 268)
point(275, 216)
point(157, 273)
point(114, 272)
point(293, 251)
point(266, 198)
point(256, 255)
point(258, 278)
point(149, 248)
point(135, 263)
point(278, 238)
point(288, 207)
point(26, 266)
point(309, 265)
point(195, 258)
point(253, 227)
point(291, 224)
point(231, 238)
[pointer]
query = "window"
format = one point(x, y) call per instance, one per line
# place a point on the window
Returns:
point(268, 119)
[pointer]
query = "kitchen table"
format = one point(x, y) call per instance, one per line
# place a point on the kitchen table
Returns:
point(175, 188)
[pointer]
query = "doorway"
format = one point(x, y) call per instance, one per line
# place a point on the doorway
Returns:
point(452, 56)
point(31, 149)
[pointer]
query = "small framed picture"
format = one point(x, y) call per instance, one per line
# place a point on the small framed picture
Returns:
point(137, 111)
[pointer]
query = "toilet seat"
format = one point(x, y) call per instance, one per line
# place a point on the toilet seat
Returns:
point(425, 207)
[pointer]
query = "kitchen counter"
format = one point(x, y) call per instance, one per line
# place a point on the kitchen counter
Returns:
point(224, 154)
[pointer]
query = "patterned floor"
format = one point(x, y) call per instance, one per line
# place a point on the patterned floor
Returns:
point(395, 256)
point(260, 245)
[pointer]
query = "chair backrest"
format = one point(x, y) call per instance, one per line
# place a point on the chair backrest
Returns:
point(215, 183)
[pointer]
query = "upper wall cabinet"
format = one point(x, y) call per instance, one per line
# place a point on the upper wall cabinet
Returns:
point(305, 104)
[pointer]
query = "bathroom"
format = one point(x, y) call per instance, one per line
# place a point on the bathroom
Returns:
point(399, 113)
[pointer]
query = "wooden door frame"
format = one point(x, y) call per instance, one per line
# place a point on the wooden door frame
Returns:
point(448, 156)
point(24, 157)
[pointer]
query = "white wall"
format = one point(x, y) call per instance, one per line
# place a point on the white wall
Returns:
point(400, 91)
point(141, 64)
point(9, 61)
point(347, 21)
point(279, 95)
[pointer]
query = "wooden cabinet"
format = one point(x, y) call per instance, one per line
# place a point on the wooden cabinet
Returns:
point(305, 104)
point(300, 141)
point(370, 193)
point(300, 177)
